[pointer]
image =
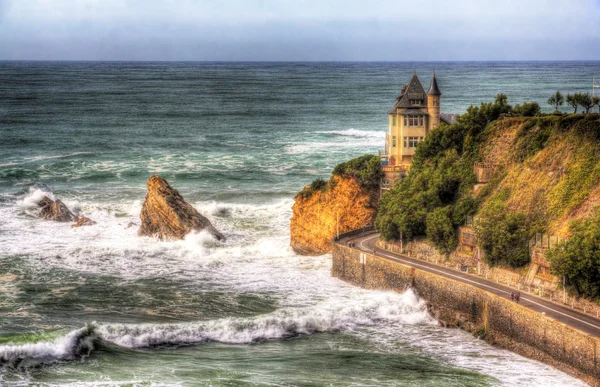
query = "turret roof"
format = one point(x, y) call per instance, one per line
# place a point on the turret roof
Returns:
point(433, 88)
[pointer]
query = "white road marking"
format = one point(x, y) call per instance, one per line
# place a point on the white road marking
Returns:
point(463, 279)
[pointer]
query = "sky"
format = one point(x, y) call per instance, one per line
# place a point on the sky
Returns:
point(300, 30)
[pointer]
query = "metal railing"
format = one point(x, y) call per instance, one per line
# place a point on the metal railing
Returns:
point(352, 233)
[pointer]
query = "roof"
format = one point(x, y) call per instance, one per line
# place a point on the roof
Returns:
point(413, 112)
point(413, 90)
point(433, 87)
point(448, 118)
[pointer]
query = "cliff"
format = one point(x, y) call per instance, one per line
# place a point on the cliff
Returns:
point(348, 200)
point(165, 215)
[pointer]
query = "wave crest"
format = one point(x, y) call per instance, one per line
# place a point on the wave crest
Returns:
point(328, 316)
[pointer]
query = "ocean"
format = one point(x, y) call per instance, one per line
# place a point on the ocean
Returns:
point(99, 306)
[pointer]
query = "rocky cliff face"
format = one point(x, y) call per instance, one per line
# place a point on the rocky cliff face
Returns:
point(167, 216)
point(316, 213)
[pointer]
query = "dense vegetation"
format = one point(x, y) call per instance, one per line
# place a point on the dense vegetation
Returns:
point(502, 234)
point(365, 169)
point(436, 197)
point(578, 259)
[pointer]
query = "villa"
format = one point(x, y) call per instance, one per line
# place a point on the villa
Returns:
point(414, 115)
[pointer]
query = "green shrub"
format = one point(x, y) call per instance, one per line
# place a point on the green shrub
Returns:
point(441, 230)
point(317, 185)
point(365, 169)
point(528, 109)
point(503, 235)
point(578, 259)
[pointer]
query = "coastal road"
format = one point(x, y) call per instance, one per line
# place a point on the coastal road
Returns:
point(580, 321)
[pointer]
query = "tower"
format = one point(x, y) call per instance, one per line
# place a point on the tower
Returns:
point(433, 103)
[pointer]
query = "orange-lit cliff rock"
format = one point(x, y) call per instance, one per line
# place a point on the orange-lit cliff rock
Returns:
point(316, 213)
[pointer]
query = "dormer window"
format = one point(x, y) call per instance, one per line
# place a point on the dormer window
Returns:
point(415, 101)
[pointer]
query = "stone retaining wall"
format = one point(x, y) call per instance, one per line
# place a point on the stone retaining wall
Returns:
point(525, 282)
point(498, 320)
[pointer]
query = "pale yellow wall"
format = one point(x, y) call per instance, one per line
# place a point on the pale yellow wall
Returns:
point(433, 103)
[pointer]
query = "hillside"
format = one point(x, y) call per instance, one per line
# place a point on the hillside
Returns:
point(516, 176)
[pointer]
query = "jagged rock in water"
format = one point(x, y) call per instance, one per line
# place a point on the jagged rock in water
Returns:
point(167, 216)
point(83, 221)
point(55, 210)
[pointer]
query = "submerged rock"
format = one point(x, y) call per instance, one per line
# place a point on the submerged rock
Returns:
point(83, 221)
point(167, 216)
point(55, 210)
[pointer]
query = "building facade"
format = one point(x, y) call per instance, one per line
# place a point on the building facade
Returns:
point(414, 115)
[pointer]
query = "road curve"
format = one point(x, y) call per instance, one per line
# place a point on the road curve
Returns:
point(568, 316)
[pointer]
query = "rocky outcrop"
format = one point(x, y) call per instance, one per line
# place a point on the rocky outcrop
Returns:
point(317, 214)
point(165, 215)
point(55, 210)
point(83, 221)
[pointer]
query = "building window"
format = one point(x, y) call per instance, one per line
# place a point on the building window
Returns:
point(394, 141)
point(414, 121)
point(412, 142)
point(394, 120)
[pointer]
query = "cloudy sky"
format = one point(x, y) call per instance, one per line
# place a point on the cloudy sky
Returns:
point(300, 30)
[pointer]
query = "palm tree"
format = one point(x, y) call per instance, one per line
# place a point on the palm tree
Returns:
point(556, 100)
point(572, 101)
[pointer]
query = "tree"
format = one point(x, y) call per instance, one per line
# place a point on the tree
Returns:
point(441, 230)
point(528, 109)
point(585, 100)
point(556, 100)
point(578, 259)
point(596, 101)
point(572, 102)
point(503, 236)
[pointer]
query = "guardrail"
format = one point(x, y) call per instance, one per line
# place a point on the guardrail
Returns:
point(352, 233)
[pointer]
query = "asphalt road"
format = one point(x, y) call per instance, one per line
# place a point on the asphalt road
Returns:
point(580, 321)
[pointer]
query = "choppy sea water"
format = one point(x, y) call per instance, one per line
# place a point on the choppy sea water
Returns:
point(100, 306)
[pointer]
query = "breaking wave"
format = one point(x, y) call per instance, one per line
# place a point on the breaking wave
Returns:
point(355, 133)
point(284, 323)
point(80, 342)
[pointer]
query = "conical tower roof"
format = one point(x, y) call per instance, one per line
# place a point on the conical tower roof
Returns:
point(433, 88)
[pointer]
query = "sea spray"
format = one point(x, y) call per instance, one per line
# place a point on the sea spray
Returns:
point(328, 316)
point(80, 342)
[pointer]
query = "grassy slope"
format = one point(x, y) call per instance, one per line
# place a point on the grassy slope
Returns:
point(549, 168)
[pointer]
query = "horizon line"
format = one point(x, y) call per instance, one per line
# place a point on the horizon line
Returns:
point(304, 61)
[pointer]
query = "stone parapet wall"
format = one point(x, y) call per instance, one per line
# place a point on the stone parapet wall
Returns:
point(524, 281)
point(499, 320)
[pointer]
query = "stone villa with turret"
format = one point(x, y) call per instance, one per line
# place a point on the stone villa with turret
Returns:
point(414, 115)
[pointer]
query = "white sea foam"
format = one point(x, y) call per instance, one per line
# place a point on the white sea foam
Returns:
point(355, 133)
point(67, 347)
point(255, 259)
point(33, 197)
point(327, 316)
